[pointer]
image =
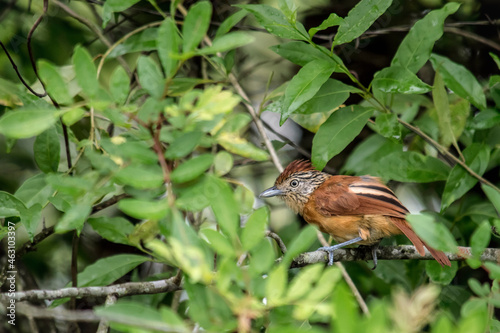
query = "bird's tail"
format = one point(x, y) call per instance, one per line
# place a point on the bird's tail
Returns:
point(440, 256)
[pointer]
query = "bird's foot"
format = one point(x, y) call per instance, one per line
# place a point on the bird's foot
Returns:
point(329, 251)
point(373, 249)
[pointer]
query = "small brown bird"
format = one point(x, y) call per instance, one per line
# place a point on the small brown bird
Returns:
point(351, 209)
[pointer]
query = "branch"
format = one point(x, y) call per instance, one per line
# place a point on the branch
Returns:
point(119, 290)
point(401, 252)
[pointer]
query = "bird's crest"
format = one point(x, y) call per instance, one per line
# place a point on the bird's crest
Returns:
point(293, 167)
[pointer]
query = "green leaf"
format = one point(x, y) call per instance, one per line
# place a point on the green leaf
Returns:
point(25, 123)
point(485, 119)
point(111, 6)
point(332, 21)
point(74, 218)
point(337, 132)
point(255, 228)
point(480, 239)
point(140, 176)
point(495, 58)
point(54, 83)
point(230, 22)
point(47, 150)
point(143, 41)
point(107, 270)
point(433, 233)
point(397, 79)
point(460, 181)
point(387, 125)
point(193, 198)
point(10, 206)
point(274, 21)
point(304, 85)
point(440, 97)
point(224, 205)
point(85, 71)
point(183, 145)
point(329, 97)
point(410, 166)
point(168, 45)
point(477, 288)
point(240, 146)
point(73, 115)
point(223, 163)
point(229, 41)
point(144, 209)
point(150, 76)
point(192, 168)
point(114, 229)
point(35, 190)
point(416, 47)
point(262, 258)
point(119, 85)
point(300, 244)
point(494, 270)
point(460, 80)
point(301, 53)
point(440, 274)
point(276, 285)
point(493, 195)
point(196, 25)
point(359, 19)
point(219, 242)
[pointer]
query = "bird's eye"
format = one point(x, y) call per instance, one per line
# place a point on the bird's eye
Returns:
point(294, 183)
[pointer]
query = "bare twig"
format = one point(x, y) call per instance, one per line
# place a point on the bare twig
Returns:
point(104, 324)
point(278, 240)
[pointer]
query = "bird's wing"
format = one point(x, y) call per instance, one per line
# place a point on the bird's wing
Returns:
point(348, 195)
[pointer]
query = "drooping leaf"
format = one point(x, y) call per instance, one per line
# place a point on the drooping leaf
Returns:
point(85, 71)
point(416, 47)
point(55, 85)
point(195, 25)
point(397, 79)
point(150, 76)
point(168, 44)
point(359, 19)
point(254, 229)
point(119, 85)
point(301, 53)
point(74, 218)
point(332, 21)
point(114, 229)
point(47, 150)
point(304, 85)
point(25, 123)
point(337, 132)
point(459, 80)
point(460, 181)
point(223, 205)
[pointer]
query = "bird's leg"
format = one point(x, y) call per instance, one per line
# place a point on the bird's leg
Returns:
point(374, 254)
point(330, 249)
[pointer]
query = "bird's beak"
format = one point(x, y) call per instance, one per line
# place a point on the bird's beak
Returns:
point(271, 192)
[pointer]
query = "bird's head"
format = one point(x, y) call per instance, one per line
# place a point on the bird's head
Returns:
point(295, 184)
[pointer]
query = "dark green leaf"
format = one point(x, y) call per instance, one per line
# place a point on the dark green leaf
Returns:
point(255, 228)
point(72, 185)
point(22, 123)
point(442, 105)
point(416, 47)
point(459, 80)
point(168, 45)
point(439, 274)
point(119, 85)
point(494, 269)
point(192, 168)
point(480, 239)
point(387, 124)
point(460, 181)
point(54, 83)
point(410, 166)
point(359, 19)
point(111, 6)
point(274, 21)
point(183, 145)
point(330, 96)
point(85, 71)
point(140, 176)
point(150, 76)
point(107, 270)
point(396, 79)
point(47, 150)
point(337, 132)
point(300, 244)
point(140, 42)
point(332, 21)
point(229, 41)
point(230, 22)
point(35, 190)
point(114, 229)
point(433, 233)
point(304, 85)
point(74, 218)
point(493, 195)
point(495, 58)
point(485, 119)
point(196, 25)
point(193, 198)
point(224, 205)
point(301, 53)
point(478, 289)
point(144, 209)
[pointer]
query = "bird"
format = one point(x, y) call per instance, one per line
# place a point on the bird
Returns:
point(352, 209)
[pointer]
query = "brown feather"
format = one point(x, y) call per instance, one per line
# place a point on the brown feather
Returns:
point(293, 167)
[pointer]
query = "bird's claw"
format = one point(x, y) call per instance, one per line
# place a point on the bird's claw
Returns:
point(329, 251)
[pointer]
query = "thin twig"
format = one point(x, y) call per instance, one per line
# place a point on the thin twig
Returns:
point(104, 324)
point(278, 240)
